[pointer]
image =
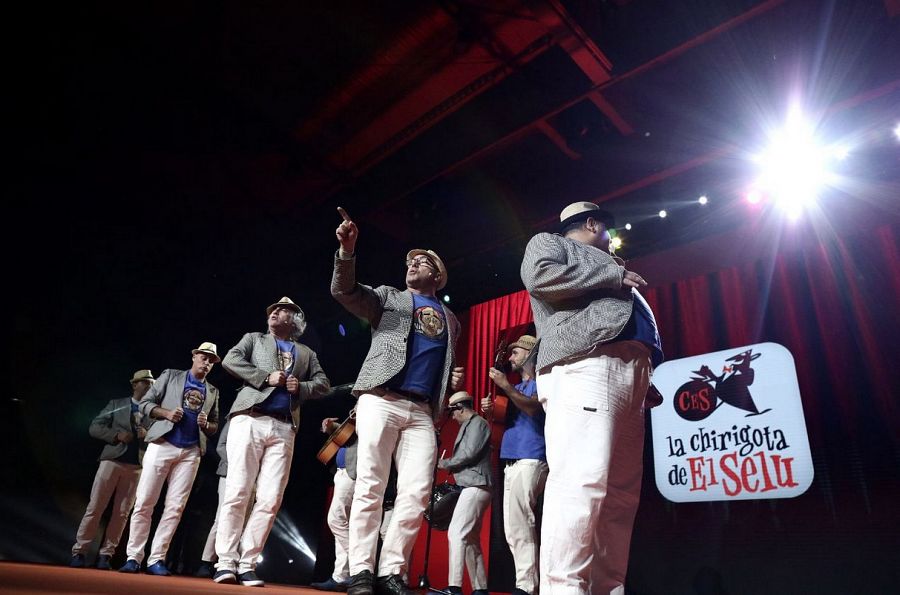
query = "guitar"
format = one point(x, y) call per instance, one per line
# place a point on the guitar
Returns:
point(337, 439)
point(499, 364)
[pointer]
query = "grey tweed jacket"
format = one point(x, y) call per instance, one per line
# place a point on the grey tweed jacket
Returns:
point(577, 296)
point(168, 392)
point(256, 356)
point(471, 460)
point(389, 311)
point(114, 418)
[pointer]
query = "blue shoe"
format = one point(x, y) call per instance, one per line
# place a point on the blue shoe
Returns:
point(77, 561)
point(227, 577)
point(331, 585)
point(159, 569)
point(103, 562)
point(131, 567)
point(249, 579)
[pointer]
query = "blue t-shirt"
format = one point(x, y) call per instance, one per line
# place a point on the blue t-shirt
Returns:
point(641, 326)
point(524, 435)
point(186, 432)
point(341, 459)
point(279, 400)
point(426, 349)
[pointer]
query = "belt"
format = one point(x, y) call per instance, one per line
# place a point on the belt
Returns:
point(257, 412)
point(409, 395)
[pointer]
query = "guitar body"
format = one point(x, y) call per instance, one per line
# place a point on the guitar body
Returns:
point(338, 438)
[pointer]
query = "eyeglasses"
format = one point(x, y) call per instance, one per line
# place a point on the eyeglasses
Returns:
point(418, 262)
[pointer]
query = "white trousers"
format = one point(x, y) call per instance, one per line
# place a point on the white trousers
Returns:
point(339, 523)
point(387, 426)
point(163, 463)
point(595, 439)
point(209, 549)
point(111, 477)
point(260, 450)
point(464, 537)
point(523, 484)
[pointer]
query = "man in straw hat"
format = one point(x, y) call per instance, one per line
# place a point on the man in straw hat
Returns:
point(524, 455)
point(121, 425)
point(186, 409)
point(279, 374)
point(599, 343)
point(471, 468)
point(400, 391)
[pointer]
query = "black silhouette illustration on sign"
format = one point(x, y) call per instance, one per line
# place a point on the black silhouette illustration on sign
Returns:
point(705, 392)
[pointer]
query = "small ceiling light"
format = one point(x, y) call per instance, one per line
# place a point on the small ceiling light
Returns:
point(628, 226)
point(616, 243)
point(446, 299)
point(342, 331)
point(703, 200)
point(662, 214)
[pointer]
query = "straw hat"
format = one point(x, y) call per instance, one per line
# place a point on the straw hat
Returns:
point(209, 349)
point(459, 397)
point(432, 256)
point(579, 211)
point(284, 302)
point(143, 375)
point(526, 342)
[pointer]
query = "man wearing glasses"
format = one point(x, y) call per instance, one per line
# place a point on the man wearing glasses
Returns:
point(400, 392)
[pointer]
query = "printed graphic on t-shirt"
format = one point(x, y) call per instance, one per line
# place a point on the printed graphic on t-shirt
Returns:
point(193, 399)
point(429, 322)
point(286, 359)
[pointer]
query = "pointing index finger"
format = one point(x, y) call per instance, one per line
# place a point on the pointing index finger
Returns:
point(343, 214)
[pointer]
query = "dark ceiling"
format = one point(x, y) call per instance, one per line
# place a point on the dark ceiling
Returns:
point(183, 160)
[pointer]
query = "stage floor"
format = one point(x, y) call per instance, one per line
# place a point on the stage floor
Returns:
point(34, 579)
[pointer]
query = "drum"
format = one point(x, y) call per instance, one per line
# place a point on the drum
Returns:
point(443, 498)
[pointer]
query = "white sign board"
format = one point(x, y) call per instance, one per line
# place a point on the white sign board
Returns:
point(731, 427)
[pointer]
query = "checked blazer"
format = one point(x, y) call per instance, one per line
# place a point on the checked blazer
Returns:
point(389, 311)
point(577, 296)
point(115, 418)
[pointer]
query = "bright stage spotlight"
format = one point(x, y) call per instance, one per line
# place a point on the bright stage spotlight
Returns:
point(703, 200)
point(628, 226)
point(754, 196)
point(663, 214)
point(794, 168)
point(616, 243)
point(897, 131)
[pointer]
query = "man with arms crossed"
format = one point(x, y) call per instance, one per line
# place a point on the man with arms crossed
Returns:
point(598, 344)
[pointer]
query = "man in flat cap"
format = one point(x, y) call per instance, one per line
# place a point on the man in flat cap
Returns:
point(186, 409)
point(524, 458)
point(400, 391)
point(279, 374)
point(471, 468)
point(121, 425)
point(599, 343)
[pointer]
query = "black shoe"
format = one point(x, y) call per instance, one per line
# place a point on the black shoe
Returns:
point(480, 592)
point(361, 583)
point(330, 585)
point(77, 561)
point(518, 591)
point(205, 570)
point(249, 579)
point(103, 562)
point(227, 577)
point(392, 585)
point(452, 590)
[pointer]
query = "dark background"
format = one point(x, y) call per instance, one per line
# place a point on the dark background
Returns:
point(174, 168)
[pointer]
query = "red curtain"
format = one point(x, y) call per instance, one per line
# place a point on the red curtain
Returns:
point(834, 304)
